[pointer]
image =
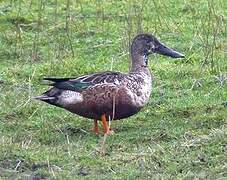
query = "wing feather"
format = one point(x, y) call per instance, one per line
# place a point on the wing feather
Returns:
point(83, 82)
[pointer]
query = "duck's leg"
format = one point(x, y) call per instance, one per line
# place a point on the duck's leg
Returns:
point(105, 125)
point(95, 127)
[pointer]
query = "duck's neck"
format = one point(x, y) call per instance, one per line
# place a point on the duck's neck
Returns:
point(138, 62)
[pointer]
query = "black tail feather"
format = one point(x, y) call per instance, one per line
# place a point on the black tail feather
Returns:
point(53, 79)
point(44, 97)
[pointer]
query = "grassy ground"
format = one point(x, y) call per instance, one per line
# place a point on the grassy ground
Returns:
point(181, 133)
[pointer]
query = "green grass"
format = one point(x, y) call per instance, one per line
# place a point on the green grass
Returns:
point(181, 133)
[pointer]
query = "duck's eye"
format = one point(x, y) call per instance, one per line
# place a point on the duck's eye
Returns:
point(150, 46)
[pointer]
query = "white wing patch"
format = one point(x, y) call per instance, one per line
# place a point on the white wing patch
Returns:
point(70, 97)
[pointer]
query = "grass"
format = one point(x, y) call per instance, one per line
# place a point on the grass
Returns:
point(181, 133)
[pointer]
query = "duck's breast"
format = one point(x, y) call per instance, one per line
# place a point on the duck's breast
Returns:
point(140, 89)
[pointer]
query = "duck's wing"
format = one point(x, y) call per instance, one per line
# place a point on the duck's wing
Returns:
point(81, 83)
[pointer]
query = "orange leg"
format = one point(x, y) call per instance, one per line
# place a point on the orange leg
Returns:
point(105, 125)
point(95, 127)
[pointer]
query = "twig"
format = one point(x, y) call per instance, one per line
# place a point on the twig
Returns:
point(18, 164)
point(68, 147)
point(67, 26)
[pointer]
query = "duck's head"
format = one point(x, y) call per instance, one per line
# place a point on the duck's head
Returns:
point(145, 44)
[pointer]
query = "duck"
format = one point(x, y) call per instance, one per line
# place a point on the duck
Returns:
point(107, 96)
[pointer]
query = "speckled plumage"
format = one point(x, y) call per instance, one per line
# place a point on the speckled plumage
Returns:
point(127, 93)
point(114, 94)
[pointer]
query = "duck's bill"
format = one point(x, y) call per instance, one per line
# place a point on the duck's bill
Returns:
point(162, 49)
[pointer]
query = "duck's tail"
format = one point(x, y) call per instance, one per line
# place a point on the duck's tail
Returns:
point(44, 97)
point(50, 96)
